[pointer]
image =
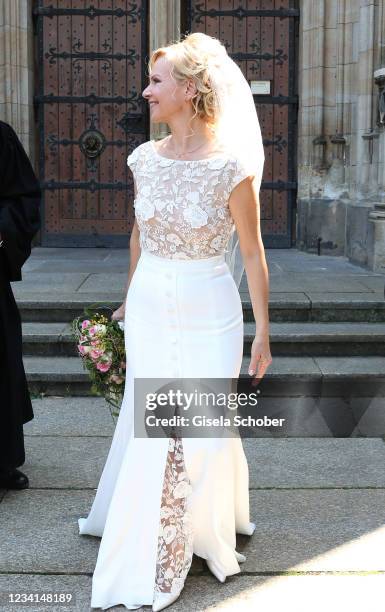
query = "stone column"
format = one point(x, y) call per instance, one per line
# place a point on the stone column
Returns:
point(321, 217)
point(164, 30)
point(377, 216)
point(340, 145)
point(17, 70)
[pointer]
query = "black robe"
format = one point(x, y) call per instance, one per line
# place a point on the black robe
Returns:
point(20, 197)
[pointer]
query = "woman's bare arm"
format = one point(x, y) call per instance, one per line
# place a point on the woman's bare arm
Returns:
point(245, 210)
point(135, 251)
point(118, 315)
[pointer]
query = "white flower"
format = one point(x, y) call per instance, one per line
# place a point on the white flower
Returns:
point(195, 215)
point(169, 533)
point(182, 489)
point(145, 191)
point(193, 197)
point(216, 242)
point(174, 239)
point(164, 162)
point(217, 164)
point(159, 204)
point(182, 475)
point(169, 573)
point(145, 209)
point(165, 512)
point(151, 245)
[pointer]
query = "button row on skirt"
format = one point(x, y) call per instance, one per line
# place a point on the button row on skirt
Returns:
point(171, 310)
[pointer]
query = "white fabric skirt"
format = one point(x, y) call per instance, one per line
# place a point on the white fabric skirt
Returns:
point(183, 319)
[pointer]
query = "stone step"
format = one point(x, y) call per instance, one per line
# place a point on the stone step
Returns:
point(286, 339)
point(350, 377)
point(322, 339)
point(283, 307)
point(70, 431)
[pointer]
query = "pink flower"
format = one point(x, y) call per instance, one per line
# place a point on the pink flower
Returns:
point(86, 323)
point(92, 330)
point(95, 342)
point(103, 366)
point(96, 353)
point(83, 350)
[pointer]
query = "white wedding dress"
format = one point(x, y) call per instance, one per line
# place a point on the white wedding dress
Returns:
point(159, 500)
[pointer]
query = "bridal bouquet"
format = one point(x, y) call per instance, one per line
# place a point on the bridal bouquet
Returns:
point(100, 344)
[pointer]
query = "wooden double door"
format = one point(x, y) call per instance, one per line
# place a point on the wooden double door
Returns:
point(91, 69)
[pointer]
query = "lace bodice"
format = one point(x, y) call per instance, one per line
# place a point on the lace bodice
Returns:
point(181, 206)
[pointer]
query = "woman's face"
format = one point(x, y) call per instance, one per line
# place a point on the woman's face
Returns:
point(165, 96)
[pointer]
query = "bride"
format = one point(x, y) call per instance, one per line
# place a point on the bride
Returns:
point(162, 498)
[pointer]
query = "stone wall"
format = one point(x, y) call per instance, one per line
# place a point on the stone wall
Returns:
point(17, 71)
point(341, 141)
point(341, 144)
point(164, 30)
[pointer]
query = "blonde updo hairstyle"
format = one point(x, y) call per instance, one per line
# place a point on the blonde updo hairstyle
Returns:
point(190, 59)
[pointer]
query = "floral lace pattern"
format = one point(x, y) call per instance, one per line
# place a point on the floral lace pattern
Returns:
point(181, 206)
point(175, 542)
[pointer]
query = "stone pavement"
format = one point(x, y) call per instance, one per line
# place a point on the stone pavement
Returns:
point(318, 503)
point(105, 270)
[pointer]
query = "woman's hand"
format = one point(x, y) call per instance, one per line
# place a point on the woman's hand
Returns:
point(118, 315)
point(260, 356)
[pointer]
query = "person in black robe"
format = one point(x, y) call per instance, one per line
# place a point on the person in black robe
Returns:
point(20, 197)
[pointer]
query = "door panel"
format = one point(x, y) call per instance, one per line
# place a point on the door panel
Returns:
point(261, 37)
point(92, 64)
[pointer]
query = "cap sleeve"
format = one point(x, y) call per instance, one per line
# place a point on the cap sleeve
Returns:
point(239, 173)
point(132, 159)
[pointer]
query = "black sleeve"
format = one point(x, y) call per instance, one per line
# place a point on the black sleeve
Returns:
point(20, 198)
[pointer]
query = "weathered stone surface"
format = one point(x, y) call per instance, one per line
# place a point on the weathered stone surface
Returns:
point(49, 282)
point(244, 593)
point(39, 532)
point(293, 282)
point(321, 219)
point(315, 462)
point(70, 416)
point(76, 588)
point(104, 282)
point(316, 530)
point(65, 462)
